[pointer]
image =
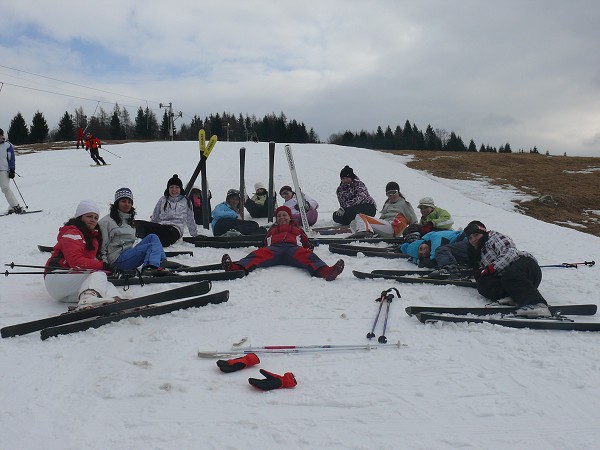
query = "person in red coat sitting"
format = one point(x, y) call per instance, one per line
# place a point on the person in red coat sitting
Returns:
point(285, 244)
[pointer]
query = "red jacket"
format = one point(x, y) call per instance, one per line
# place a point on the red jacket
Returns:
point(70, 251)
point(288, 234)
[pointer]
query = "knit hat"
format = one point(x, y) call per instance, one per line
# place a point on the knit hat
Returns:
point(426, 202)
point(475, 227)
point(85, 207)
point(285, 188)
point(347, 172)
point(232, 193)
point(123, 193)
point(284, 208)
point(258, 186)
point(392, 186)
point(173, 181)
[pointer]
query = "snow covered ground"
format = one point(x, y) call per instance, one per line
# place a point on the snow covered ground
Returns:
point(138, 384)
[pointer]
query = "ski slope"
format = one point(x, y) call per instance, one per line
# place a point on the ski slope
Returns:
point(138, 384)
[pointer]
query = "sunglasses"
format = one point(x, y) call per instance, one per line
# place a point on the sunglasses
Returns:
point(388, 193)
point(285, 193)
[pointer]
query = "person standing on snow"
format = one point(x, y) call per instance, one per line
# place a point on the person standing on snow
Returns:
point(285, 244)
point(7, 172)
point(172, 213)
point(80, 137)
point(503, 271)
point(78, 248)
point(353, 197)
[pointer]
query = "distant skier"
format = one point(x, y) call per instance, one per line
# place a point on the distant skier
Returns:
point(7, 172)
point(80, 137)
point(93, 144)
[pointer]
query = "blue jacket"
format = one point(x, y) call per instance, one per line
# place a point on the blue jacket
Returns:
point(435, 238)
point(223, 211)
point(7, 156)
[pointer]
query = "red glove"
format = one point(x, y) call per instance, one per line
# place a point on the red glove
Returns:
point(426, 228)
point(486, 271)
point(233, 365)
point(273, 381)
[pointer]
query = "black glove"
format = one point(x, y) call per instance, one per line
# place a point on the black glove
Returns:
point(273, 381)
point(108, 268)
point(233, 365)
point(11, 174)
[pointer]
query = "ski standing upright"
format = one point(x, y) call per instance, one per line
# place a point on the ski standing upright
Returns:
point(271, 205)
point(242, 180)
point(299, 195)
point(201, 168)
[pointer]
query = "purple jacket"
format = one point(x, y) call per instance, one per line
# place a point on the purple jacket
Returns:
point(352, 194)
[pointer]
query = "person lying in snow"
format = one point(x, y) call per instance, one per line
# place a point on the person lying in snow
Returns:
point(285, 244)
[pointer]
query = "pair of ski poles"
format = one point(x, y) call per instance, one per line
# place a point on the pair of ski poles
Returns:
point(386, 297)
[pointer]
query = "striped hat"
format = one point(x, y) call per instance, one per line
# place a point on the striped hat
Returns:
point(123, 193)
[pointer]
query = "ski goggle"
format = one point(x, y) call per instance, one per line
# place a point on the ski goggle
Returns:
point(388, 193)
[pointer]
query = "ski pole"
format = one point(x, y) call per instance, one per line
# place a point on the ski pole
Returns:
point(24, 202)
point(572, 265)
point(110, 152)
point(371, 335)
point(295, 349)
point(389, 297)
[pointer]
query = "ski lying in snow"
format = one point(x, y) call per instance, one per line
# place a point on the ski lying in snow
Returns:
point(348, 250)
point(295, 349)
point(204, 268)
point(216, 276)
point(260, 237)
point(535, 324)
point(327, 231)
point(48, 249)
point(575, 310)
point(143, 311)
point(400, 273)
point(108, 308)
point(414, 280)
point(99, 165)
point(21, 213)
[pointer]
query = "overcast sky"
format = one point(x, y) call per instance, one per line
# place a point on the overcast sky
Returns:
point(523, 72)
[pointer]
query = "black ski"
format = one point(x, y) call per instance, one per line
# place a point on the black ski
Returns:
point(535, 324)
point(215, 276)
point(576, 310)
point(21, 213)
point(242, 180)
point(384, 253)
point(414, 280)
point(401, 273)
point(205, 268)
point(73, 316)
point(317, 241)
point(144, 311)
point(48, 249)
point(326, 231)
point(271, 205)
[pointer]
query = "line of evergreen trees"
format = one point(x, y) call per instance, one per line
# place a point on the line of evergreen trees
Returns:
point(411, 138)
point(118, 125)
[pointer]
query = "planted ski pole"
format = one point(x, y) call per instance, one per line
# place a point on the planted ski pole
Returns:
point(572, 265)
point(371, 334)
point(295, 349)
point(19, 190)
point(388, 298)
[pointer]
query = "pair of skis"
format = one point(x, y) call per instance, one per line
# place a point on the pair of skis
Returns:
point(271, 204)
point(391, 252)
point(386, 297)
point(79, 320)
point(48, 249)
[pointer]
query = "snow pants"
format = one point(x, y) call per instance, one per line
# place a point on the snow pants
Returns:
point(8, 193)
point(167, 234)
point(66, 287)
point(350, 213)
point(282, 254)
point(383, 228)
point(95, 154)
point(455, 253)
point(148, 252)
point(518, 281)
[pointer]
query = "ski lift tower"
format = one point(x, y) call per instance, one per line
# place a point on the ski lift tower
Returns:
point(171, 116)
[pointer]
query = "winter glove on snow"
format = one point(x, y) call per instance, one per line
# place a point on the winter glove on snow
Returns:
point(233, 365)
point(339, 213)
point(11, 174)
point(273, 381)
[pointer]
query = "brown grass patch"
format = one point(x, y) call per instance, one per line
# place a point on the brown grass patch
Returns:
point(569, 180)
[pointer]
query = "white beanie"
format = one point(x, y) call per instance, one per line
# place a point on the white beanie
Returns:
point(85, 207)
point(426, 201)
point(258, 186)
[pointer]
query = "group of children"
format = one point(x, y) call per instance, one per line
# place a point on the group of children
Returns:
point(92, 248)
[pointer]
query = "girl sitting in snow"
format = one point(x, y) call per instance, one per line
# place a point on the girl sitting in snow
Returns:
point(78, 248)
point(171, 214)
point(285, 244)
point(118, 234)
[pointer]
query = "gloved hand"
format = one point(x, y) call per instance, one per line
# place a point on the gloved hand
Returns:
point(233, 365)
point(306, 206)
point(108, 268)
point(411, 237)
point(426, 228)
point(487, 271)
point(273, 381)
point(339, 213)
point(427, 262)
point(11, 174)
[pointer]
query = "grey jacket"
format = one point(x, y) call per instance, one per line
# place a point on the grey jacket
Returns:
point(115, 238)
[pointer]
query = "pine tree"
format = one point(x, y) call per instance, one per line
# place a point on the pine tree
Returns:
point(39, 129)
point(18, 133)
point(66, 128)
